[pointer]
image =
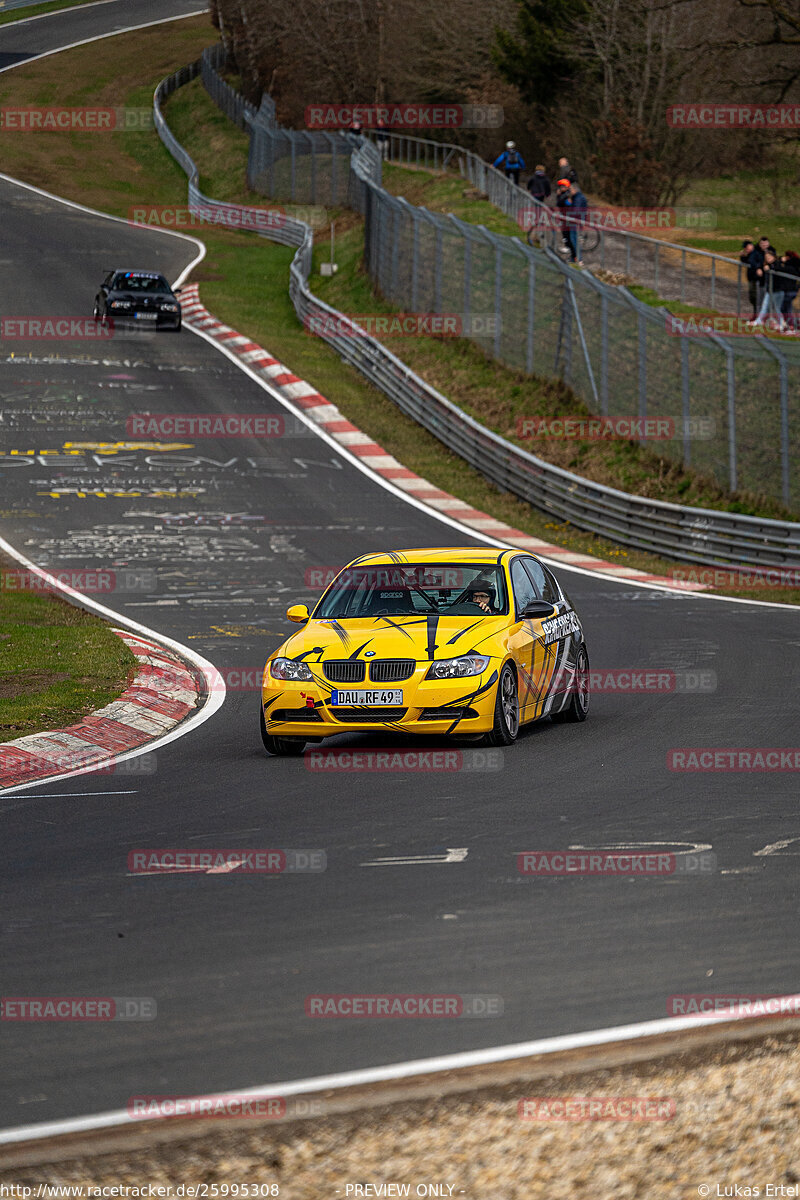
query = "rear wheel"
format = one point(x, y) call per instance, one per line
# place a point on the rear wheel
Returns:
point(277, 745)
point(506, 710)
point(578, 707)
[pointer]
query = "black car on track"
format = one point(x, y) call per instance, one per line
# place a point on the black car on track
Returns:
point(142, 298)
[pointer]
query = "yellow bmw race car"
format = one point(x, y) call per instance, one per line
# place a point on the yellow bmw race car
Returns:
point(464, 642)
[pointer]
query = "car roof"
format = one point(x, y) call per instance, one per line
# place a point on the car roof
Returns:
point(437, 554)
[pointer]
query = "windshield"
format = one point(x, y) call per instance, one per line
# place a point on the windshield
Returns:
point(136, 281)
point(397, 589)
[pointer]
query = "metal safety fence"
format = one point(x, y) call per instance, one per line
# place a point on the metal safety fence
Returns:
point(733, 403)
point(692, 534)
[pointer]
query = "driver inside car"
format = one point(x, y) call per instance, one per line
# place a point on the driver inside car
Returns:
point(482, 594)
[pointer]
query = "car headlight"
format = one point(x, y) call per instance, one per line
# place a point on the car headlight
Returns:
point(458, 668)
point(168, 307)
point(287, 668)
point(120, 304)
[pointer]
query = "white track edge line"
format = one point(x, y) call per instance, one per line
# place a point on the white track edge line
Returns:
point(55, 13)
point(400, 1070)
point(214, 681)
point(215, 684)
point(98, 38)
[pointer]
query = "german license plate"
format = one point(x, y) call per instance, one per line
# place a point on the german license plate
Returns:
point(375, 697)
point(146, 316)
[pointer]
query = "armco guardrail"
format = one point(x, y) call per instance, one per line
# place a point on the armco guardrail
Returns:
point(691, 534)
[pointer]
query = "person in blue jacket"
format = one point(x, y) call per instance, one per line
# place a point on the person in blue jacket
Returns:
point(510, 161)
point(576, 206)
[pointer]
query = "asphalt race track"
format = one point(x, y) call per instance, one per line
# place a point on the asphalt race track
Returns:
point(222, 535)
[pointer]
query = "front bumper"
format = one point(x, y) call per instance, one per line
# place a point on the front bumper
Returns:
point(129, 319)
point(430, 706)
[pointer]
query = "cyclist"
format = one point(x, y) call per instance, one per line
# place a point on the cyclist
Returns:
point(511, 162)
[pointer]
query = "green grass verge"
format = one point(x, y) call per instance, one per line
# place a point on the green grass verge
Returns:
point(59, 663)
point(37, 10)
point(245, 279)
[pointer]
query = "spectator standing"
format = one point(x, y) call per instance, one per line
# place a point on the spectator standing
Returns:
point(748, 246)
point(771, 286)
point(539, 185)
point(565, 171)
point(790, 266)
point(755, 272)
point(564, 207)
point(580, 209)
point(382, 137)
point(511, 162)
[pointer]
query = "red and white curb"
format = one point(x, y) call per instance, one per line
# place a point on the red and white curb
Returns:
point(164, 693)
point(372, 456)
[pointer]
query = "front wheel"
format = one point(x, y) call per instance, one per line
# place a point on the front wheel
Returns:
point(578, 707)
point(506, 710)
point(280, 746)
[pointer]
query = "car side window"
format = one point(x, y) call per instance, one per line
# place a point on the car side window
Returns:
point(552, 591)
point(536, 572)
point(524, 591)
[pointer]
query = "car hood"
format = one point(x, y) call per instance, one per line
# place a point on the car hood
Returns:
point(421, 637)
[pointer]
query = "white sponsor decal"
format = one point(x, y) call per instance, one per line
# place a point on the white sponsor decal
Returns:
point(558, 627)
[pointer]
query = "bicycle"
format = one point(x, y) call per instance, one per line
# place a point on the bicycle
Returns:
point(550, 237)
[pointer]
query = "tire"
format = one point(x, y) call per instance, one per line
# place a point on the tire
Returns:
point(589, 239)
point(578, 707)
point(282, 747)
point(506, 710)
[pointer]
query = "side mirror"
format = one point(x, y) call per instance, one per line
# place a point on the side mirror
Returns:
point(539, 609)
point(177, 291)
point(298, 613)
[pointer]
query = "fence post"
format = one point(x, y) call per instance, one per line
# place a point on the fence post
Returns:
point(642, 369)
point(395, 287)
point(655, 269)
point(564, 335)
point(604, 353)
point(531, 312)
point(313, 146)
point(767, 345)
point(584, 347)
point(437, 270)
point(498, 297)
point(683, 276)
point(415, 259)
point(731, 377)
point(685, 402)
point(467, 276)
